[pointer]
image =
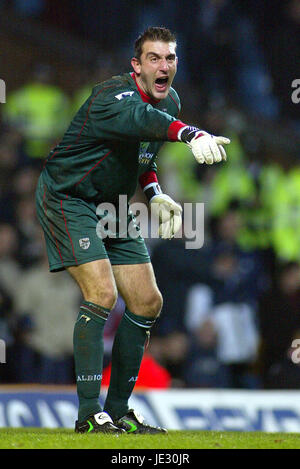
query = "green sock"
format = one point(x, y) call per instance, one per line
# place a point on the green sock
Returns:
point(88, 356)
point(127, 354)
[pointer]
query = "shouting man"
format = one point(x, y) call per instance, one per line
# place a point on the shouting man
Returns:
point(102, 156)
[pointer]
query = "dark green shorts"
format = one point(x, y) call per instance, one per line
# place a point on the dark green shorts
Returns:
point(74, 234)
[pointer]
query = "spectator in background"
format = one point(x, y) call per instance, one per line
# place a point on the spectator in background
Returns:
point(6, 331)
point(108, 24)
point(222, 325)
point(24, 182)
point(10, 157)
point(101, 69)
point(29, 233)
point(10, 270)
point(232, 182)
point(44, 352)
point(282, 48)
point(236, 273)
point(235, 279)
point(285, 235)
point(222, 305)
point(31, 243)
point(40, 112)
point(202, 368)
point(173, 357)
point(8, 162)
point(230, 56)
point(279, 317)
point(176, 270)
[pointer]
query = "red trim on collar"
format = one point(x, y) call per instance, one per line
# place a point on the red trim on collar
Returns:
point(144, 96)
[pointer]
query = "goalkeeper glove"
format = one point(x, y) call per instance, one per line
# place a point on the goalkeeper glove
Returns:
point(168, 212)
point(206, 148)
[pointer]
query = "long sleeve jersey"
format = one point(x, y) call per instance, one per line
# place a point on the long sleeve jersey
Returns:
point(114, 138)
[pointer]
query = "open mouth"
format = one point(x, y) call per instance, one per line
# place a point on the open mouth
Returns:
point(161, 83)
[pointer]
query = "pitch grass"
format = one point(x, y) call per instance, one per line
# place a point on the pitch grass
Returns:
point(38, 438)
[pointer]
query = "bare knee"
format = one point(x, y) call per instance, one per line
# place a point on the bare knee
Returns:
point(96, 282)
point(151, 305)
point(103, 297)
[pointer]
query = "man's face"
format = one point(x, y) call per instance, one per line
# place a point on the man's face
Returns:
point(156, 68)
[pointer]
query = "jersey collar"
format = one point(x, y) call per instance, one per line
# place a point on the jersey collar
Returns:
point(144, 96)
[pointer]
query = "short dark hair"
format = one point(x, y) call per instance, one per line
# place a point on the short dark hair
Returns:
point(153, 33)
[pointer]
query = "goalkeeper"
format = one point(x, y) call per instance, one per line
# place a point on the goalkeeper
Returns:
point(110, 146)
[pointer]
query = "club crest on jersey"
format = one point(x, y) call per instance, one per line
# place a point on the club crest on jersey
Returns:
point(84, 243)
point(144, 156)
point(124, 95)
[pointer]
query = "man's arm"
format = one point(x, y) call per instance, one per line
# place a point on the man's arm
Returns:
point(117, 115)
point(127, 119)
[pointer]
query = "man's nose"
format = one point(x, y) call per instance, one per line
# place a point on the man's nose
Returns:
point(164, 66)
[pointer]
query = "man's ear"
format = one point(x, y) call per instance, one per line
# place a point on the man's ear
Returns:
point(135, 63)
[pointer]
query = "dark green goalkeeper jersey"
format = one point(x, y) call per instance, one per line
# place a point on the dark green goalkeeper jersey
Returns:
point(114, 137)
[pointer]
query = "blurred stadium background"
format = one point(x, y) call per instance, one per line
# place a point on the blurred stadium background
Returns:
point(232, 308)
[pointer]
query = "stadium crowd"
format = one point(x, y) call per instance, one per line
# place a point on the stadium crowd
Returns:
point(231, 308)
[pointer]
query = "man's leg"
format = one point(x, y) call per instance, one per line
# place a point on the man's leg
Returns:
point(76, 247)
point(97, 284)
point(137, 285)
